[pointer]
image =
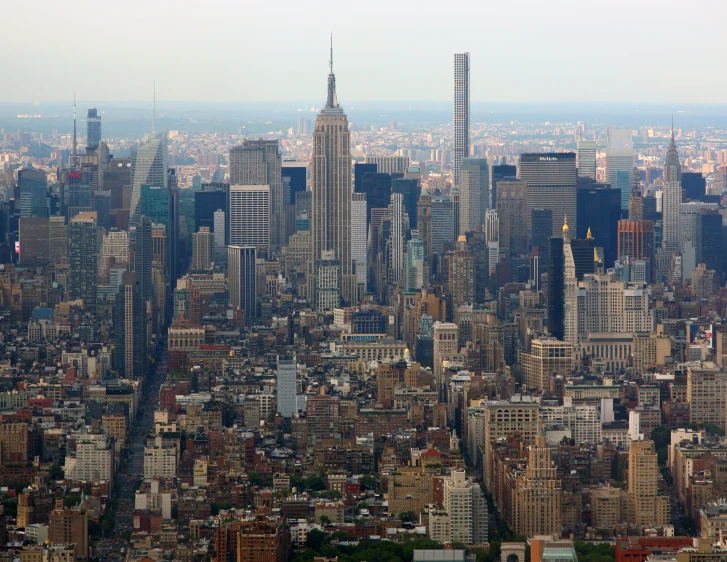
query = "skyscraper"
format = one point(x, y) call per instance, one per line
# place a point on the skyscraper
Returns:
point(83, 259)
point(359, 244)
point(500, 172)
point(377, 188)
point(331, 174)
point(694, 184)
point(541, 229)
point(556, 289)
point(620, 162)
point(461, 114)
point(359, 169)
point(586, 159)
point(219, 230)
point(250, 219)
point(551, 179)
point(33, 188)
point(149, 164)
point(93, 130)
point(636, 241)
point(129, 326)
point(241, 281)
point(257, 162)
point(207, 201)
point(287, 386)
point(473, 193)
point(398, 234)
point(143, 258)
point(202, 249)
point(492, 230)
point(424, 223)
point(389, 164)
point(411, 191)
point(599, 209)
point(461, 275)
point(512, 210)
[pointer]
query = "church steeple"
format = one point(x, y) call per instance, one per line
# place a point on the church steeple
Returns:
point(332, 99)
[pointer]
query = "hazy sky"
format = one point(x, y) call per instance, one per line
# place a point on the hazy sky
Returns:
point(253, 50)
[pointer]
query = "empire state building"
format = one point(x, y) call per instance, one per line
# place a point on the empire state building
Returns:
point(331, 224)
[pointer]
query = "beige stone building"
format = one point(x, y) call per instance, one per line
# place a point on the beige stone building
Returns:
point(548, 358)
point(706, 392)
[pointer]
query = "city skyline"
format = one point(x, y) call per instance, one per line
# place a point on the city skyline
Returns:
point(537, 68)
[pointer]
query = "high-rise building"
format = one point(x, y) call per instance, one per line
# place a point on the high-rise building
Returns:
point(620, 162)
point(694, 185)
point(473, 193)
point(287, 386)
point(547, 359)
point(541, 230)
point(389, 164)
point(398, 234)
point(607, 305)
point(636, 241)
point(446, 338)
point(466, 508)
point(33, 189)
point(93, 130)
point(331, 177)
point(129, 329)
point(202, 249)
point(461, 275)
point(219, 230)
point(258, 163)
point(250, 212)
point(143, 258)
point(359, 245)
point(512, 210)
point(492, 231)
point(149, 166)
point(671, 198)
point(33, 237)
point(461, 114)
point(690, 226)
point(241, 264)
point(83, 259)
point(206, 202)
point(599, 209)
point(411, 190)
point(500, 172)
point(69, 526)
point(359, 170)
point(536, 506)
point(556, 288)
point(58, 239)
point(442, 222)
point(650, 509)
point(586, 158)
point(706, 388)
point(711, 247)
point(416, 268)
point(424, 223)
point(551, 179)
point(377, 188)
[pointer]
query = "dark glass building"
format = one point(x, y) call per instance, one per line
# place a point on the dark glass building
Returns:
point(411, 190)
point(359, 170)
point(143, 258)
point(599, 209)
point(33, 188)
point(205, 205)
point(583, 256)
point(541, 229)
point(694, 184)
point(377, 188)
point(556, 288)
point(129, 329)
point(294, 179)
point(83, 261)
point(499, 172)
point(710, 224)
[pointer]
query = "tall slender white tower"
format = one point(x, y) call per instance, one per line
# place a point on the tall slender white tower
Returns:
point(461, 114)
point(332, 190)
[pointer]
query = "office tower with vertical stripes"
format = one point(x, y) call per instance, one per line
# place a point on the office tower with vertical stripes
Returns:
point(474, 194)
point(258, 163)
point(332, 189)
point(461, 114)
point(620, 162)
point(241, 280)
point(149, 164)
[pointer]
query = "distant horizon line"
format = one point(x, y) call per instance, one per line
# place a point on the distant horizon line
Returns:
point(370, 101)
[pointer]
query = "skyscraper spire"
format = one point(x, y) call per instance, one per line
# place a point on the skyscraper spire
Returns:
point(154, 111)
point(75, 142)
point(331, 100)
point(672, 127)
